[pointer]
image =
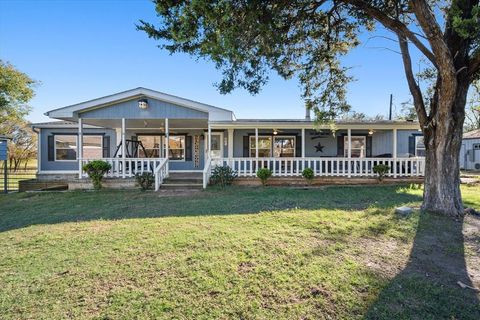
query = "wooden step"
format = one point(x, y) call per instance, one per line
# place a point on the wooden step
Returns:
point(180, 186)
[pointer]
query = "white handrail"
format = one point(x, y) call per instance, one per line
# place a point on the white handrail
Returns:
point(207, 172)
point(328, 166)
point(160, 173)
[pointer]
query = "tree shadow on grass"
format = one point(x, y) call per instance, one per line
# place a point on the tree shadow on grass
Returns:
point(427, 287)
point(26, 209)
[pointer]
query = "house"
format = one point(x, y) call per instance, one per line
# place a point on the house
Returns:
point(130, 129)
point(470, 151)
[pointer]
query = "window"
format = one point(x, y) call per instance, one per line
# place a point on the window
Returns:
point(151, 145)
point(176, 148)
point(419, 146)
point(264, 147)
point(284, 147)
point(358, 146)
point(92, 147)
point(65, 147)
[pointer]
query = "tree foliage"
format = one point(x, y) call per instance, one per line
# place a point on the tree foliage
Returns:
point(16, 90)
point(304, 38)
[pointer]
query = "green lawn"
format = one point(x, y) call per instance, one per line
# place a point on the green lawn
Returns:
point(242, 253)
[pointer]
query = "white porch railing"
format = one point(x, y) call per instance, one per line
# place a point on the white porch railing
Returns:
point(160, 172)
point(127, 168)
point(207, 172)
point(335, 167)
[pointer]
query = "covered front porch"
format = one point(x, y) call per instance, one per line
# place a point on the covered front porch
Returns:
point(350, 150)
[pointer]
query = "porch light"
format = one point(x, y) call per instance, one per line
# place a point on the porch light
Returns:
point(370, 132)
point(275, 132)
point(143, 104)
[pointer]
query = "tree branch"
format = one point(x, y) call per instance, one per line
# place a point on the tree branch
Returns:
point(393, 25)
point(418, 101)
point(434, 34)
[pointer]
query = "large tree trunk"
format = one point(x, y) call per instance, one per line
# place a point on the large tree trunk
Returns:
point(443, 141)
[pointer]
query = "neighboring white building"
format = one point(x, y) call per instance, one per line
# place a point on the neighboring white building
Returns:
point(470, 151)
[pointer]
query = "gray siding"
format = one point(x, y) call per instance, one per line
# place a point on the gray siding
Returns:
point(381, 141)
point(156, 110)
point(46, 165)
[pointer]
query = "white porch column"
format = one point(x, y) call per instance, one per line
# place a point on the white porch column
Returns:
point(209, 141)
point(167, 144)
point(256, 142)
point(394, 153)
point(230, 143)
point(303, 143)
point(349, 132)
point(80, 147)
point(124, 148)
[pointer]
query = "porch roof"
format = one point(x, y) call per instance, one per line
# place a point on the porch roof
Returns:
point(309, 124)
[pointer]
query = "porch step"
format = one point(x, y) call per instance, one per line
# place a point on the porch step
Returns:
point(183, 180)
point(181, 186)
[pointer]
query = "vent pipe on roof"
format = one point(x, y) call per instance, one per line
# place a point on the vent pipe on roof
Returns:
point(391, 103)
point(307, 113)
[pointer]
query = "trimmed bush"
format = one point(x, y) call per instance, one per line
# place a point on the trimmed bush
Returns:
point(96, 169)
point(222, 176)
point(381, 170)
point(308, 175)
point(145, 180)
point(263, 174)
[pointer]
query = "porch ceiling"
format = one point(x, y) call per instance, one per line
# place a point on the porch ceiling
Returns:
point(149, 124)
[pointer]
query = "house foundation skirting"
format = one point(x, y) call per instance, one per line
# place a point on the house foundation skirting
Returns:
point(299, 181)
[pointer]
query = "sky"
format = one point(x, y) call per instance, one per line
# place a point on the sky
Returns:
point(85, 49)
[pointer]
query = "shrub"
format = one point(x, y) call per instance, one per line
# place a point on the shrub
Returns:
point(263, 174)
point(308, 174)
point(381, 170)
point(145, 180)
point(223, 176)
point(96, 169)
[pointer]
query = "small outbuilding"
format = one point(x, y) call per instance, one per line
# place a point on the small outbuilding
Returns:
point(470, 151)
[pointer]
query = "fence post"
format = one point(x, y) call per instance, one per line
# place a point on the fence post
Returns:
point(5, 178)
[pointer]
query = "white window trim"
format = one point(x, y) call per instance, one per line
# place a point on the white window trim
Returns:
point(250, 149)
point(76, 145)
point(416, 145)
point(92, 135)
point(294, 145)
point(272, 145)
point(161, 149)
point(345, 146)
point(184, 148)
point(55, 148)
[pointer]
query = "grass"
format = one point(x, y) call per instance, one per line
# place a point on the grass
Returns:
point(242, 253)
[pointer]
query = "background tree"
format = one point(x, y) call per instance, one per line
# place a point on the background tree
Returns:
point(307, 39)
point(16, 90)
point(472, 112)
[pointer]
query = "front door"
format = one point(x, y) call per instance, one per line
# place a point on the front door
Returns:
point(216, 151)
